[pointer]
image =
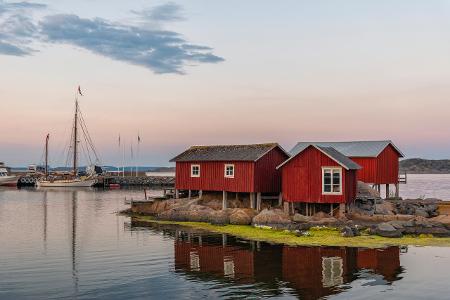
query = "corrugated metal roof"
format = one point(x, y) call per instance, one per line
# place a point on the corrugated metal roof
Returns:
point(340, 158)
point(226, 152)
point(332, 153)
point(350, 149)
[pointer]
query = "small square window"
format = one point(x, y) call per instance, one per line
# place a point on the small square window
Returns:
point(332, 181)
point(229, 171)
point(195, 170)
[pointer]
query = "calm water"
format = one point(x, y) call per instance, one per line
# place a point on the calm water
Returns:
point(70, 244)
point(427, 186)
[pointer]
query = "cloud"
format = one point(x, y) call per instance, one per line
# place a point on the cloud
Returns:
point(17, 28)
point(168, 12)
point(161, 51)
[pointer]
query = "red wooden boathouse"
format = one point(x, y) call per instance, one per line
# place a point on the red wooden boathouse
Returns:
point(319, 175)
point(379, 160)
point(230, 168)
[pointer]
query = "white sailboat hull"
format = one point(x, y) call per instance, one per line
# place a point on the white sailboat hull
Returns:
point(67, 183)
point(8, 180)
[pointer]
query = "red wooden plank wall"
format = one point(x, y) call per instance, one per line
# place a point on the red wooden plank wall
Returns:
point(387, 166)
point(267, 177)
point(302, 178)
point(379, 170)
point(212, 177)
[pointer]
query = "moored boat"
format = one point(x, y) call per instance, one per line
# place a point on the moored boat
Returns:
point(74, 180)
point(77, 182)
point(6, 179)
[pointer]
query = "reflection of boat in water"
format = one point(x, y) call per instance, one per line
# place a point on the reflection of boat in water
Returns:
point(74, 180)
point(6, 179)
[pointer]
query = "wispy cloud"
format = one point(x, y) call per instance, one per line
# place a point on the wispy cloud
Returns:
point(17, 28)
point(161, 51)
point(168, 12)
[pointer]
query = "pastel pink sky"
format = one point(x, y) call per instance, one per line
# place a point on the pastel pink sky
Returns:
point(291, 72)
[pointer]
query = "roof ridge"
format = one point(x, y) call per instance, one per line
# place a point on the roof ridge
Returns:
point(234, 145)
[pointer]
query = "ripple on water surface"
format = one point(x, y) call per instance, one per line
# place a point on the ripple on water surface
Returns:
point(70, 244)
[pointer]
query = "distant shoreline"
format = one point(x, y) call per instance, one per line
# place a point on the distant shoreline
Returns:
point(424, 166)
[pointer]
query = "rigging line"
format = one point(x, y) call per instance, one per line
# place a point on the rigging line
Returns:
point(83, 128)
point(91, 143)
point(85, 148)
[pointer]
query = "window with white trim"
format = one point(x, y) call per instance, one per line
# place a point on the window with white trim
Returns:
point(331, 181)
point(195, 170)
point(229, 171)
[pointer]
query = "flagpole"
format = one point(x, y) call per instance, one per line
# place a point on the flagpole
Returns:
point(123, 161)
point(118, 167)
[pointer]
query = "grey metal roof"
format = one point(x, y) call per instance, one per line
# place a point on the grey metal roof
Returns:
point(340, 158)
point(332, 153)
point(226, 152)
point(350, 149)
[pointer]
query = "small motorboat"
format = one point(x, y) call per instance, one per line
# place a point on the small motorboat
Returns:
point(6, 179)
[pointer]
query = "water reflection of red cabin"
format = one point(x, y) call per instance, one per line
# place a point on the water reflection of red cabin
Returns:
point(313, 272)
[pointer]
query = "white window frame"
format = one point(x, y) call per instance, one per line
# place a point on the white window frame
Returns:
point(225, 170)
point(192, 170)
point(332, 169)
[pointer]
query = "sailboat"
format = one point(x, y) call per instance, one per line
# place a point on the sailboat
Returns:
point(73, 180)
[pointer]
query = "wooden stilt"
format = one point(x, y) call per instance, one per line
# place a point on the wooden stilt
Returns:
point(307, 209)
point(280, 199)
point(200, 194)
point(258, 201)
point(237, 196)
point(286, 207)
point(387, 191)
point(177, 194)
point(252, 200)
point(224, 200)
point(341, 210)
point(397, 190)
point(189, 194)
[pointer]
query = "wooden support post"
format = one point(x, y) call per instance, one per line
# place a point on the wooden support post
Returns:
point(189, 194)
point(307, 209)
point(341, 210)
point(200, 241)
point(331, 209)
point(237, 196)
point(200, 194)
point(258, 201)
point(224, 200)
point(397, 190)
point(252, 200)
point(286, 207)
point(387, 191)
point(280, 199)
point(177, 194)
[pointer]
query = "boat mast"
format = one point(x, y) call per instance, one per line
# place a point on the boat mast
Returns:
point(46, 155)
point(75, 137)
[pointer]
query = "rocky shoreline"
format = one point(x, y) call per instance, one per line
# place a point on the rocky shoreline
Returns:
point(386, 218)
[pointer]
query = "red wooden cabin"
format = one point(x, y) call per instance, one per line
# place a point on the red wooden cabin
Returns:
point(230, 168)
point(319, 175)
point(379, 160)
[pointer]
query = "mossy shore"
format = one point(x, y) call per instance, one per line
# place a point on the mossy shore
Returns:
point(316, 236)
